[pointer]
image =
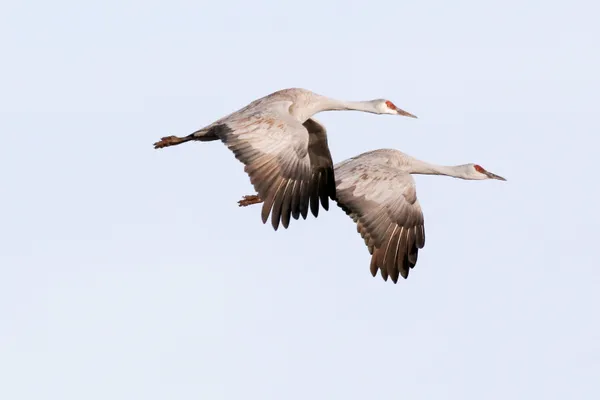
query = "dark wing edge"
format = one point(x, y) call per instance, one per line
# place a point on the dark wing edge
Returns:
point(321, 164)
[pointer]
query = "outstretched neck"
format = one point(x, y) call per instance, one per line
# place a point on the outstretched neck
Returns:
point(423, 168)
point(341, 105)
point(322, 103)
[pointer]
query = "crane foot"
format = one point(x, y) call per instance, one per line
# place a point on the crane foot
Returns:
point(249, 200)
point(168, 141)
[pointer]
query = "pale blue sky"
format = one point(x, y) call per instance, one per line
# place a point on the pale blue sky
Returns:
point(129, 273)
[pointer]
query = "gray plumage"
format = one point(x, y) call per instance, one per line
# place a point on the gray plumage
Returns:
point(377, 191)
point(284, 150)
point(380, 197)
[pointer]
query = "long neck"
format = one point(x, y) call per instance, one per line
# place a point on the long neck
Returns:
point(322, 103)
point(423, 168)
point(339, 105)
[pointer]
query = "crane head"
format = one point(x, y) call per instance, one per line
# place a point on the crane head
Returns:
point(480, 173)
point(383, 106)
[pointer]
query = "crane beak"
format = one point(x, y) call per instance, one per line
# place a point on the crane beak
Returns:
point(494, 176)
point(405, 113)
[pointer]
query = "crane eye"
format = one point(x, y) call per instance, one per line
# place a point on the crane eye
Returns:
point(478, 168)
point(390, 105)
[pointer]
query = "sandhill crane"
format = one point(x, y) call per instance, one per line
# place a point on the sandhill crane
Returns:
point(284, 150)
point(377, 191)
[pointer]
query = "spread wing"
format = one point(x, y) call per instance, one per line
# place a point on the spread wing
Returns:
point(382, 201)
point(289, 163)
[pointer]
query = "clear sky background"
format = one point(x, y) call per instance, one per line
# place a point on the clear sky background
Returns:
point(131, 273)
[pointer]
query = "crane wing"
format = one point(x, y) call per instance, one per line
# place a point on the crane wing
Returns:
point(383, 203)
point(321, 165)
point(288, 163)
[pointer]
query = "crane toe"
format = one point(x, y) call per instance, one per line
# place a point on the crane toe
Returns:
point(167, 141)
point(249, 200)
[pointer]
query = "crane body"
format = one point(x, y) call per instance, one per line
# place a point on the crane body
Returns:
point(377, 190)
point(284, 149)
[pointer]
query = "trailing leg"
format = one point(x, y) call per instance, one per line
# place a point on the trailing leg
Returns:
point(202, 135)
point(249, 200)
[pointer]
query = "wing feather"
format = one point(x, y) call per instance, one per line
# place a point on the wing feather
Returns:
point(381, 199)
point(289, 164)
